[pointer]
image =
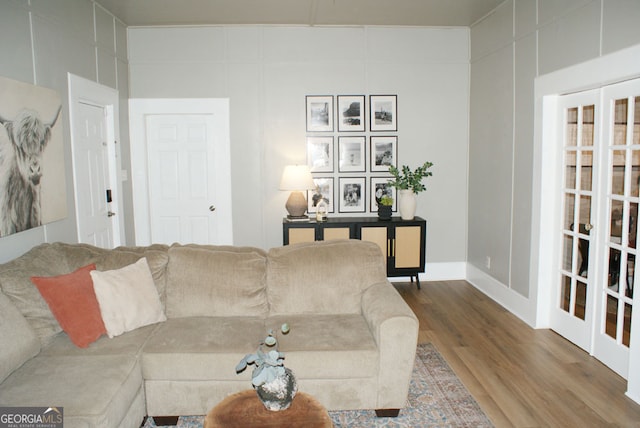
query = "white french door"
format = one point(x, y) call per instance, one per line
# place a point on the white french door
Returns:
point(621, 139)
point(572, 314)
point(593, 297)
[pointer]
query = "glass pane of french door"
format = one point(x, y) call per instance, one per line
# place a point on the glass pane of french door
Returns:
point(573, 315)
point(613, 327)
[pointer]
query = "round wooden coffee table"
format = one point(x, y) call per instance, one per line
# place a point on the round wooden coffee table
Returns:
point(245, 409)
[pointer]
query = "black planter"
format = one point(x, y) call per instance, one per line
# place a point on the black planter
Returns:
point(384, 212)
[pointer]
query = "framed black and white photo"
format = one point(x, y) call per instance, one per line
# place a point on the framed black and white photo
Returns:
point(352, 194)
point(319, 113)
point(384, 112)
point(384, 153)
point(351, 154)
point(320, 154)
point(380, 187)
point(323, 191)
point(351, 113)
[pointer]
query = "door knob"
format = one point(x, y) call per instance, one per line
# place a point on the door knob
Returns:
point(110, 214)
point(212, 208)
point(588, 227)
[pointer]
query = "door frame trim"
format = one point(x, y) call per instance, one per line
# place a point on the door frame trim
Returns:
point(138, 109)
point(82, 90)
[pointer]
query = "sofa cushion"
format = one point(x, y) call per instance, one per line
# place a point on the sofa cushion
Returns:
point(43, 260)
point(128, 298)
point(327, 346)
point(95, 391)
point(19, 341)
point(322, 277)
point(156, 256)
point(201, 348)
point(129, 343)
point(72, 301)
point(205, 281)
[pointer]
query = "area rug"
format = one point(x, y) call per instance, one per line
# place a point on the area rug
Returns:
point(437, 398)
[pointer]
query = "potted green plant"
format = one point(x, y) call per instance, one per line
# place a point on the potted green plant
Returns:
point(275, 384)
point(409, 184)
point(385, 204)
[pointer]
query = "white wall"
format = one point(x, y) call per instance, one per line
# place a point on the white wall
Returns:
point(41, 41)
point(520, 40)
point(266, 71)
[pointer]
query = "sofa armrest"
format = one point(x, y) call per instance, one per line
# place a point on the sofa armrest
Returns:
point(395, 329)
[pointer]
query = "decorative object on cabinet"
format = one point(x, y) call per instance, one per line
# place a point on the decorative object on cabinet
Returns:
point(385, 205)
point(401, 241)
point(319, 113)
point(296, 178)
point(352, 194)
point(384, 153)
point(352, 154)
point(409, 184)
point(321, 211)
point(384, 112)
point(407, 204)
point(351, 113)
point(320, 154)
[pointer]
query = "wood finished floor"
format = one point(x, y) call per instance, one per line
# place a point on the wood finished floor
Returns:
point(521, 377)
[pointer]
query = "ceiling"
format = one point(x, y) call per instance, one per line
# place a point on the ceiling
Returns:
point(300, 12)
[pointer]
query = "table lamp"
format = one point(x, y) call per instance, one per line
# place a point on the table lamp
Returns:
point(296, 178)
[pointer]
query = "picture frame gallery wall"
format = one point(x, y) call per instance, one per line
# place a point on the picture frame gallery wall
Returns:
point(350, 146)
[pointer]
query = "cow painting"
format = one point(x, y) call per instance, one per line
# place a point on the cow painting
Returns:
point(21, 169)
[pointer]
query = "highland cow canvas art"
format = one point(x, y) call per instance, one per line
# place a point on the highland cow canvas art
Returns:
point(32, 168)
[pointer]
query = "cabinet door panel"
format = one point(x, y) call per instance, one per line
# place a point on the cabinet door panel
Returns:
point(297, 235)
point(407, 245)
point(377, 235)
point(336, 233)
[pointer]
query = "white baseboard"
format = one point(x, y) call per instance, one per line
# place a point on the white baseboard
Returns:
point(512, 301)
point(439, 272)
point(634, 397)
point(444, 271)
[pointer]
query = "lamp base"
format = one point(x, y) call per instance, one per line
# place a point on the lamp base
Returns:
point(296, 205)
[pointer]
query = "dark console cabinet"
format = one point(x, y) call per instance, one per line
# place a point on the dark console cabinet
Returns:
point(401, 241)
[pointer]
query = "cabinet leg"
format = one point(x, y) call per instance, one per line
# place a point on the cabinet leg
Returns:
point(417, 281)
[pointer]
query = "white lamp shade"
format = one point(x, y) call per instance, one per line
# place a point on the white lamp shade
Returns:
point(297, 177)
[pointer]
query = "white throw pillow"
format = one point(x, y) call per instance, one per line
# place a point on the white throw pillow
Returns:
point(127, 297)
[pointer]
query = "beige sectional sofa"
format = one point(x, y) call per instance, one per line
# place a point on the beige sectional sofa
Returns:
point(352, 341)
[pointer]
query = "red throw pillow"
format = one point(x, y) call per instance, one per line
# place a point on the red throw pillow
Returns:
point(73, 302)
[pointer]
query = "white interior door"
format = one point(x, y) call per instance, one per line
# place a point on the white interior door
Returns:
point(182, 179)
point(182, 190)
point(621, 114)
point(93, 115)
point(573, 297)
